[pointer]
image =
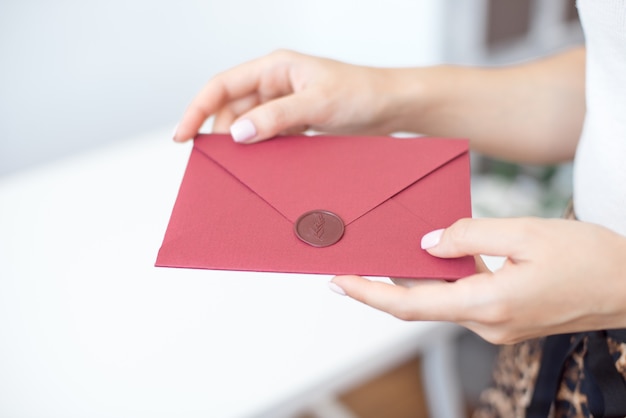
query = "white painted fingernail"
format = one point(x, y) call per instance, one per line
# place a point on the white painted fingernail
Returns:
point(243, 130)
point(175, 132)
point(336, 288)
point(431, 239)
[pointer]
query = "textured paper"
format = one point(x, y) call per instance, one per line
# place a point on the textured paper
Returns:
point(237, 204)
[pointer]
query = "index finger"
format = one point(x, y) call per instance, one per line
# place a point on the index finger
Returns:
point(232, 84)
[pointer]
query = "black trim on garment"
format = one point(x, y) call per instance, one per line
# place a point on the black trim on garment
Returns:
point(610, 389)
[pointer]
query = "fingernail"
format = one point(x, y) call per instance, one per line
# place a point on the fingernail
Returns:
point(175, 132)
point(335, 288)
point(431, 239)
point(243, 130)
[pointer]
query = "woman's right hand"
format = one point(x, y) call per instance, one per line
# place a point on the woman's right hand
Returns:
point(288, 92)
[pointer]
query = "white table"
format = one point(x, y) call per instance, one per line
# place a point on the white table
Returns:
point(89, 328)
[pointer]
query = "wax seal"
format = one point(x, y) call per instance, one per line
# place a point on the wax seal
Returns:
point(319, 228)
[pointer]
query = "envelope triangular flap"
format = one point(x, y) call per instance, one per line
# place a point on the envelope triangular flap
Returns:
point(346, 175)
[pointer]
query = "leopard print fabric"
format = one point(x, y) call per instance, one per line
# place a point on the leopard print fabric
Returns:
point(618, 351)
point(570, 399)
point(514, 378)
point(516, 371)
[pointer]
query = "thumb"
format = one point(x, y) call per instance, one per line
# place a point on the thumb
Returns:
point(497, 237)
point(273, 117)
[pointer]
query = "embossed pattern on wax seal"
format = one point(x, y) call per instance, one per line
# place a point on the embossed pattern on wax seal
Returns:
point(319, 228)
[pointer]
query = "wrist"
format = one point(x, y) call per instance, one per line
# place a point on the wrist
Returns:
point(416, 99)
point(405, 98)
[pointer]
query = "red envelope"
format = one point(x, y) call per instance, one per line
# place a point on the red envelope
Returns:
point(238, 205)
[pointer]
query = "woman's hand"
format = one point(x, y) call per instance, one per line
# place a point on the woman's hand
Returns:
point(288, 92)
point(559, 276)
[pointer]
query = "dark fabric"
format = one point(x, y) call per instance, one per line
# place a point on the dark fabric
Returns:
point(605, 387)
point(556, 349)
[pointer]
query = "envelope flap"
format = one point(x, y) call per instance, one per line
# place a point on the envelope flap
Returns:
point(345, 175)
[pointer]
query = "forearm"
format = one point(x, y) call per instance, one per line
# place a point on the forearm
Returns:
point(530, 113)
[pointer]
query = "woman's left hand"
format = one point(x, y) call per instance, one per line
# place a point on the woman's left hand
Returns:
point(559, 276)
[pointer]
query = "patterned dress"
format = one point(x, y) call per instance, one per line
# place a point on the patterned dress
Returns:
point(577, 392)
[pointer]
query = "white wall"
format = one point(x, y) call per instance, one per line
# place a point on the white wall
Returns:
point(75, 74)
